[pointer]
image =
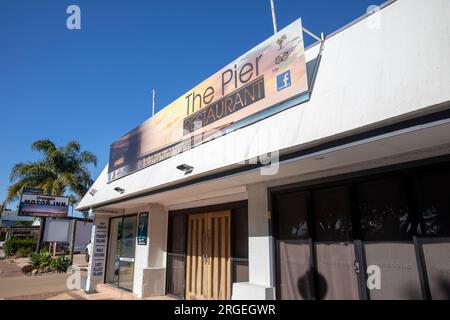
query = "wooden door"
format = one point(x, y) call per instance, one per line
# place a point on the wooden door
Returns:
point(208, 256)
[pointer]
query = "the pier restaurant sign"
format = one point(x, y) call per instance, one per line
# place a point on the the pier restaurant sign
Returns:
point(37, 205)
point(269, 74)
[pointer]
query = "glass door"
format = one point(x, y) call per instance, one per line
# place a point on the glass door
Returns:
point(112, 267)
point(432, 190)
point(122, 242)
point(316, 256)
point(387, 228)
point(293, 245)
point(127, 247)
point(336, 262)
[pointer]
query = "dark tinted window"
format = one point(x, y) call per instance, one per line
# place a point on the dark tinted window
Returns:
point(239, 233)
point(433, 203)
point(291, 212)
point(177, 234)
point(332, 214)
point(384, 212)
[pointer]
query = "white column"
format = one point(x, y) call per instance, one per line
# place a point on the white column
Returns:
point(99, 242)
point(154, 275)
point(141, 260)
point(260, 250)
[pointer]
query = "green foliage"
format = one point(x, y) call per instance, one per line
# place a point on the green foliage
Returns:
point(61, 264)
point(61, 170)
point(24, 252)
point(45, 258)
point(41, 260)
point(13, 245)
point(34, 260)
point(23, 223)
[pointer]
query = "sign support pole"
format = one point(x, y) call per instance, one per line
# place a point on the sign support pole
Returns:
point(41, 234)
point(72, 239)
point(274, 18)
point(72, 236)
point(153, 101)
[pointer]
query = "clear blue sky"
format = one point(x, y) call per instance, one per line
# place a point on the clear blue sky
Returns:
point(94, 84)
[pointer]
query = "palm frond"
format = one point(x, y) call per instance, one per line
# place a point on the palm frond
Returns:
point(45, 146)
point(62, 170)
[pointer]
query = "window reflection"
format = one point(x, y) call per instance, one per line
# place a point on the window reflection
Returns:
point(332, 214)
point(291, 212)
point(384, 211)
point(433, 199)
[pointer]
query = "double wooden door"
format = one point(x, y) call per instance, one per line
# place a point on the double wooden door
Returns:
point(208, 256)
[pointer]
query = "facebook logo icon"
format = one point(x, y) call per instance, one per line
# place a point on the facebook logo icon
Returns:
point(283, 80)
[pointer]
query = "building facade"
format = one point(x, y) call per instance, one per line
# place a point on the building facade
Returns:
point(356, 205)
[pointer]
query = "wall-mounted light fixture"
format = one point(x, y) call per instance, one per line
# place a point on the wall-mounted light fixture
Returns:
point(186, 168)
point(119, 190)
point(92, 192)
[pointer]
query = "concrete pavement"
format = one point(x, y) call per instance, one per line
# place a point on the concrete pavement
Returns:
point(14, 285)
point(23, 287)
point(9, 269)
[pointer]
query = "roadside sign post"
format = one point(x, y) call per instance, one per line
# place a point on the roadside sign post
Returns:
point(41, 234)
point(72, 239)
point(35, 204)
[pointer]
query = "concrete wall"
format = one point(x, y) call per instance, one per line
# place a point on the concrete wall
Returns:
point(152, 272)
point(260, 253)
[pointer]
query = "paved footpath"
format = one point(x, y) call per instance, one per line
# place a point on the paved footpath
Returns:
point(23, 287)
point(8, 269)
point(15, 285)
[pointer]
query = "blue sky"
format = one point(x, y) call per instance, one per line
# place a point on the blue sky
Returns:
point(94, 84)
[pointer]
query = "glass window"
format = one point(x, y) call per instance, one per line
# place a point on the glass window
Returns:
point(239, 233)
point(291, 215)
point(332, 215)
point(177, 234)
point(433, 203)
point(384, 212)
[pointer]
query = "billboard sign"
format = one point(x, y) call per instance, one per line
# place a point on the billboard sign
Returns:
point(33, 190)
point(57, 230)
point(239, 94)
point(37, 205)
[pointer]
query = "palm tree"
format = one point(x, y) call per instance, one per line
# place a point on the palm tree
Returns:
point(62, 171)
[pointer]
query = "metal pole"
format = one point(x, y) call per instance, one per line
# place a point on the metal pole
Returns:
point(72, 240)
point(321, 38)
point(153, 101)
point(274, 19)
point(41, 234)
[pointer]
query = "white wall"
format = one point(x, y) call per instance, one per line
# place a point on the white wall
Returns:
point(260, 249)
point(141, 260)
point(154, 277)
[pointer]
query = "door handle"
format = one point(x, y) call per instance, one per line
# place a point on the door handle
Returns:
point(356, 266)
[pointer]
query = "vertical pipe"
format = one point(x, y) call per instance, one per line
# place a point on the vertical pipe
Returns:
point(274, 19)
point(72, 239)
point(153, 101)
point(41, 234)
